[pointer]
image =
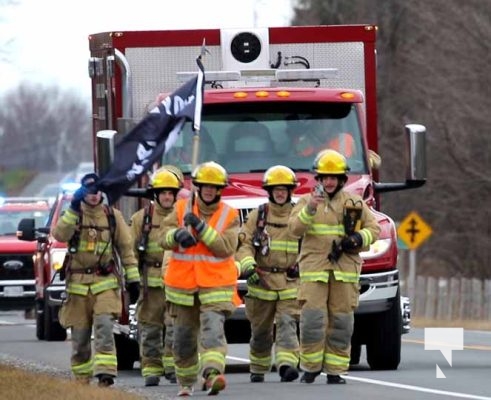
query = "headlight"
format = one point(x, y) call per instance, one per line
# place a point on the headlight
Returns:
point(377, 249)
point(57, 257)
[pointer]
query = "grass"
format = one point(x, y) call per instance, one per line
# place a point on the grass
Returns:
point(466, 324)
point(17, 384)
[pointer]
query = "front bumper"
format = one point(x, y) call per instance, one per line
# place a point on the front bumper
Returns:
point(378, 291)
point(17, 294)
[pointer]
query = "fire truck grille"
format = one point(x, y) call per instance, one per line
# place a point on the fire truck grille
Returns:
point(15, 266)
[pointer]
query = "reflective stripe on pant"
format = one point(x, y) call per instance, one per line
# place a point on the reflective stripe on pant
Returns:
point(262, 314)
point(326, 325)
point(150, 315)
point(205, 321)
point(81, 312)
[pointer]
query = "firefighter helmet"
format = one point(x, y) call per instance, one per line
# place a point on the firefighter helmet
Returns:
point(330, 162)
point(210, 173)
point(164, 179)
point(175, 170)
point(279, 175)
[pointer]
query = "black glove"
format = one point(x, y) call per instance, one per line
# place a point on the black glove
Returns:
point(336, 252)
point(193, 220)
point(254, 276)
point(133, 289)
point(77, 198)
point(184, 238)
point(293, 272)
point(352, 242)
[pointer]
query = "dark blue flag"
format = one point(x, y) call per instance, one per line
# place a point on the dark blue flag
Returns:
point(153, 136)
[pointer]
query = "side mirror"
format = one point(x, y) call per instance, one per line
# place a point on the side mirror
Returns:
point(26, 230)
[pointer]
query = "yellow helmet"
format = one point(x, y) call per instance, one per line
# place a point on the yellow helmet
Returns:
point(330, 162)
point(175, 170)
point(210, 173)
point(279, 175)
point(164, 179)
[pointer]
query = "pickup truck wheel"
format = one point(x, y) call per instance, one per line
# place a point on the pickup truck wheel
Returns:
point(127, 352)
point(355, 354)
point(53, 331)
point(384, 341)
point(39, 320)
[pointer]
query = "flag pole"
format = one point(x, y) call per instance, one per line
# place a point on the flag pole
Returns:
point(196, 136)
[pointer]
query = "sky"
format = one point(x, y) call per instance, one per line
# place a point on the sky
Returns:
point(48, 38)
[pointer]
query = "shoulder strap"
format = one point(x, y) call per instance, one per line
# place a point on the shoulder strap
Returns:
point(262, 214)
point(147, 218)
point(111, 220)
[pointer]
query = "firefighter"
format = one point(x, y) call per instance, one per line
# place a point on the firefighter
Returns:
point(335, 227)
point(152, 315)
point(201, 278)
point(95, 233)
point(267, 256)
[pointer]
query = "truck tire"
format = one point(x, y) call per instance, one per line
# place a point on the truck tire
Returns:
point(39, 320)
point(127, 352)
point(384, 341)
point(237, 331)
point(355, 354)
point(53, 331)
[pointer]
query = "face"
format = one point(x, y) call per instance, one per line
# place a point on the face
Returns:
point(93, 199)
point(330, 183)
point(166, 198)
point(208, 193)
point(280, 194)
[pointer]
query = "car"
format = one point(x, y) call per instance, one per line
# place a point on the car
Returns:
point(17, 278)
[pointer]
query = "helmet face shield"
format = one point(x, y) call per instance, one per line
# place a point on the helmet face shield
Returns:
point(279, 175)
point(210, 173)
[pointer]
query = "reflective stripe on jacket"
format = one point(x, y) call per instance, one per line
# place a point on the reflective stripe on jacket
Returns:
point(197, 266)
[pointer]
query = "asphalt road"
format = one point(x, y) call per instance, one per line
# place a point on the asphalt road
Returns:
point(416, 378)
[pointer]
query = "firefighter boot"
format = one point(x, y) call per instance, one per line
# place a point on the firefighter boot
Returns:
point(214, 381)
point(105, 380)
point(257, 378)
point(288, 374)
point(335, 379)
point(309, 377)
point(171, 377)
point(152, 380)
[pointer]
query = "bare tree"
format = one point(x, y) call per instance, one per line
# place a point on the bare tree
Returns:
point(43, 128)
point(433, 60)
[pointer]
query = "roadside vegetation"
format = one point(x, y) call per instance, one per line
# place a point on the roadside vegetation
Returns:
point(17, 384)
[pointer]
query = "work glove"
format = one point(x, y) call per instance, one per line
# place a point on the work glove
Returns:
point(253, 276)
point(184, 238)
point(133, 289)
point(193, 220)
point(293, 272)
point(77, 198)
point(336, 252)
point(352, 242)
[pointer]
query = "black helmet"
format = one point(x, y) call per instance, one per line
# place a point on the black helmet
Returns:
point(89, 181)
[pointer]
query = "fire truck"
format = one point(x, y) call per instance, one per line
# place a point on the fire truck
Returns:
point(273, 96)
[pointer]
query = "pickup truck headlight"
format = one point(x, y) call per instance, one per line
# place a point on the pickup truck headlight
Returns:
point(377, 249)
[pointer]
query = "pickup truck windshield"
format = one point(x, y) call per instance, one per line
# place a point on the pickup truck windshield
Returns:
point(253, 136)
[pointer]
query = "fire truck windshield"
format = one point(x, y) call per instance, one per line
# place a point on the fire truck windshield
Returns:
point(254, 136)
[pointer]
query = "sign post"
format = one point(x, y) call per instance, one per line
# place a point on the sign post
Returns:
point(413, 231)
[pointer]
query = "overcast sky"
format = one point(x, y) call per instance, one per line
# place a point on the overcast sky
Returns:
point(48, 38)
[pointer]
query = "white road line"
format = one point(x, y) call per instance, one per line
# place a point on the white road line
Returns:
point(417, 388)
point(6, 322)
point(399, 385)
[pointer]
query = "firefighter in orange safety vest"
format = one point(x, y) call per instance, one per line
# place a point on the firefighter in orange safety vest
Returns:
point(152, 313)
point(95, 233)
point(335, 227)
point(267, 255)
point(201, 278)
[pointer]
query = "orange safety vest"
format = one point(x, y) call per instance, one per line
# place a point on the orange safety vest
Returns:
point(344, 144)
point(197, 266)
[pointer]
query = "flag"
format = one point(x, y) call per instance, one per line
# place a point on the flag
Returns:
point(153, 136)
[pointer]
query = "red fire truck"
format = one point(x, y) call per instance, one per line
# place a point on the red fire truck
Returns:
point(272, 96)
